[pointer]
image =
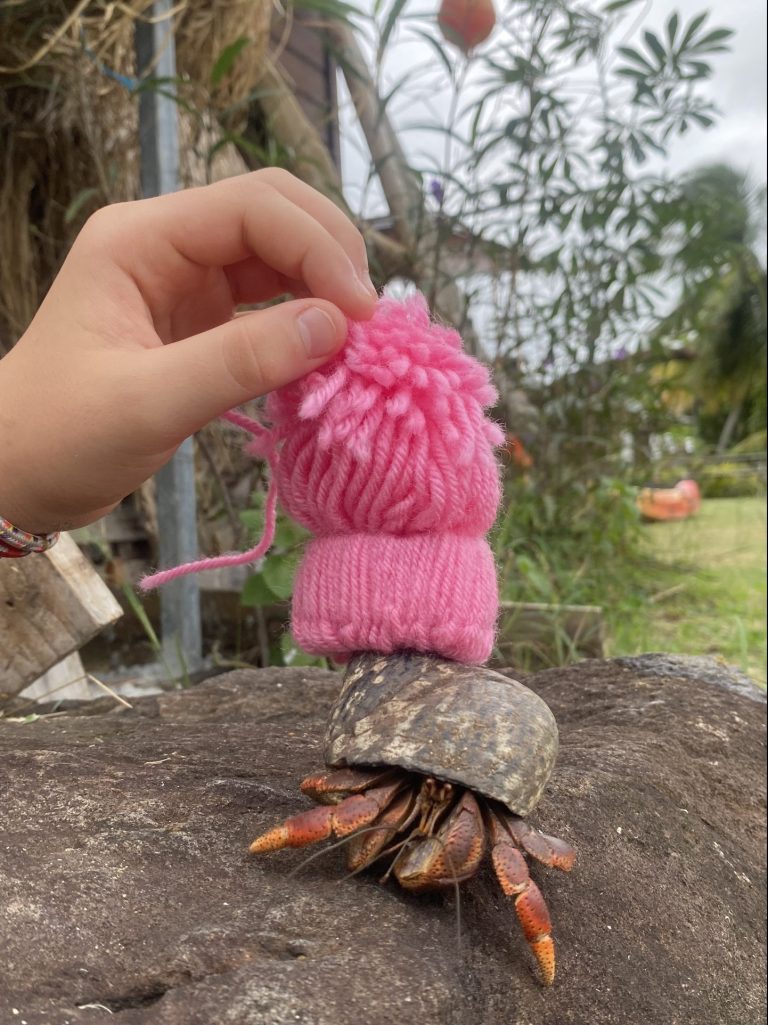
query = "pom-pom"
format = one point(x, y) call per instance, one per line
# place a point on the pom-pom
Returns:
point(391, 436)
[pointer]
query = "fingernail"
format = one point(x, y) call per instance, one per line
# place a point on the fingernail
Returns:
point(365, 283)
point(318, 332)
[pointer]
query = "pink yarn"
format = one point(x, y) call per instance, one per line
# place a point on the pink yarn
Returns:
point(388, 459)
point(264, 447)
point(386, 455)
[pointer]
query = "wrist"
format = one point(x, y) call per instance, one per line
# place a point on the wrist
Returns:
point(19, 463)
point(15, 543)
point(17, 502)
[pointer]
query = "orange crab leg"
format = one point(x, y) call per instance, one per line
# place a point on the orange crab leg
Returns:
point(549, 850)
point(364, 849)
point(327, 820)
point(532, 912)
point(333, 787)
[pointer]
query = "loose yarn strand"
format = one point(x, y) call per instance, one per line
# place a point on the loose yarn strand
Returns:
point(264, 445)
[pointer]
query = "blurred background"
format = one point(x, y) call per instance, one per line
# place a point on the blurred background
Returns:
point(579, 187)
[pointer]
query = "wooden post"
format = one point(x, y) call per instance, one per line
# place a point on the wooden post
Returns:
point(176, 498)
point(50, 605)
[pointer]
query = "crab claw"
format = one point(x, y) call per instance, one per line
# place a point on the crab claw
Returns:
point(450, 856)
point(365, 848)
point(531, 909)
point(324, 821)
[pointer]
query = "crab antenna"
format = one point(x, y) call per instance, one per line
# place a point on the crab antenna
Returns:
point(457, 891)
point(379, 856)
point(326, 850)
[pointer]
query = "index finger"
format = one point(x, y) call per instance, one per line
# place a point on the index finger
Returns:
point(219, 225)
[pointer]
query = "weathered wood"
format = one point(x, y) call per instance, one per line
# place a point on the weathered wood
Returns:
point(532, 635)
point(50, 605)
point(67, 680)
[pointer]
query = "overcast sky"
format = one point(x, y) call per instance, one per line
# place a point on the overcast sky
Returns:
point(738, 87)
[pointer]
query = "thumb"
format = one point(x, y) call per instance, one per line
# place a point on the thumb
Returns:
point(248, 356)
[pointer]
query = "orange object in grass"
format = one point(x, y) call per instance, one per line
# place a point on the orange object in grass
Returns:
point(466, 23)
point(677, 503)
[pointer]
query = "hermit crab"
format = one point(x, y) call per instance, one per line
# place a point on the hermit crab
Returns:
point(430, 763)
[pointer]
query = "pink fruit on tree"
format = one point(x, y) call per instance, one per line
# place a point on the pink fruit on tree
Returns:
point(466, 23)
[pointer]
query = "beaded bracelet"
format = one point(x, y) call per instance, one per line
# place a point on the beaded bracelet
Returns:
point(16, 543)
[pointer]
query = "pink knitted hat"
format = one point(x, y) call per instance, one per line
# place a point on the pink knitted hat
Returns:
point(385, 454)
point(388, 459)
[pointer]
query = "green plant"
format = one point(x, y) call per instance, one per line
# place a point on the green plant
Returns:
point(270, 588)
point(731, 480)
point(753, 444)
point(566, 552)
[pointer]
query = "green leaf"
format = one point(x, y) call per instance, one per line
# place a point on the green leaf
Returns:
point(256, 591)
point(78, 203)
point(223, 64)
point(389, 23)
point(289, 533)
point(294, 656)
point(653, 43)
point(719, 35)
point(252, 520)
point(635, 57)
point(330, 8)
point(439, 50)
point(693, 27)
point(617, 5)
point(698, 69)
point(672, 26)
point(279, 571)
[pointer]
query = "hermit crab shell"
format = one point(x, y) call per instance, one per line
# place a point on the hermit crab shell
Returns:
point(465, 724)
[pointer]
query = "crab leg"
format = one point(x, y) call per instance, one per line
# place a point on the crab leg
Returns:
point(532, 912)
point(364, 849)
point(333, 787)
point(324, 821)
point(549, 850)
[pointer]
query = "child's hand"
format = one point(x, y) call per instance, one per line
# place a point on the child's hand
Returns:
point(137, 343)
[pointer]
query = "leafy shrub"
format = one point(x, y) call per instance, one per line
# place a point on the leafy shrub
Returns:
point(569, 547)
point(731, 480)
point(753, 444)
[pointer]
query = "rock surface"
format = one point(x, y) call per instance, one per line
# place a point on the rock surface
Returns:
point(126, 894)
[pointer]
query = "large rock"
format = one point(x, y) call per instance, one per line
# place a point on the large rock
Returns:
point(126, 894)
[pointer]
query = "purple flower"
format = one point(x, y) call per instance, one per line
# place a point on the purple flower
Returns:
point(436, 190)
point(621, 353)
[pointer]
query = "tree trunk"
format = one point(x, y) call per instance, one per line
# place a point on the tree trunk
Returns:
point(724, 441)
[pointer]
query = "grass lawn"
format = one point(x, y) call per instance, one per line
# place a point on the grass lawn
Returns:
point(708, 593)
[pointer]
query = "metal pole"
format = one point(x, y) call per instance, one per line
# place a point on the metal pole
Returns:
point(176, 500)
